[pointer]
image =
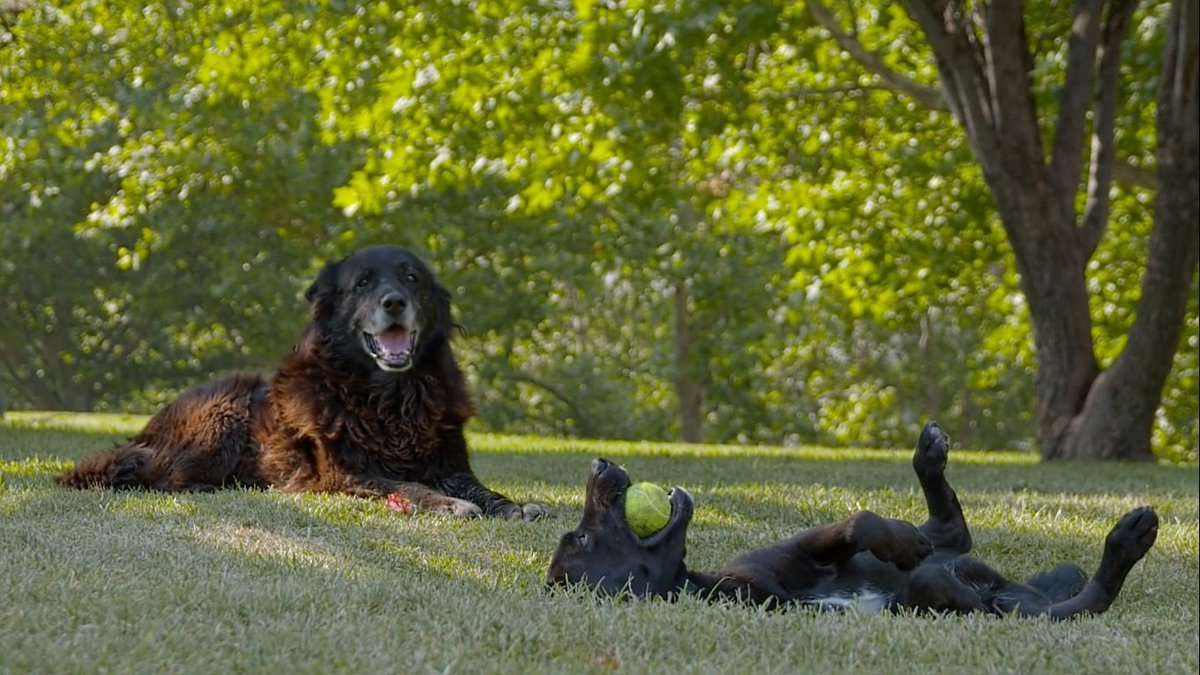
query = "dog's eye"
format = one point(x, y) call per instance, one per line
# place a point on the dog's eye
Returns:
point(363, 281)
point(410, 278)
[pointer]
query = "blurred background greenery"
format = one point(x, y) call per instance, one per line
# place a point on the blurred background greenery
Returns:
point(700, 220)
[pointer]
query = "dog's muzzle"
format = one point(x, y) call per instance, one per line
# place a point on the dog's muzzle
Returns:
point(391, 348)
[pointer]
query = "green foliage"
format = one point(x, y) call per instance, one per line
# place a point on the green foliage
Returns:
point(153, 190)
point(172, 173)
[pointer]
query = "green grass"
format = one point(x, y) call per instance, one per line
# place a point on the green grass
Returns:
point(243, 581)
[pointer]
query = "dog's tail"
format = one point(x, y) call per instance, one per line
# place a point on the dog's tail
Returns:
point(126, 467)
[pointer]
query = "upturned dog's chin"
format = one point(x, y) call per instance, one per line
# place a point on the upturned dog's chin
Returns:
point(392, 349)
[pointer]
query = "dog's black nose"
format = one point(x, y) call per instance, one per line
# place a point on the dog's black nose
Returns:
point(600, 465)
point(393, 302)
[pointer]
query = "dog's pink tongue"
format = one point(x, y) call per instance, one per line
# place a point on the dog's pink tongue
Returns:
point(395, 341)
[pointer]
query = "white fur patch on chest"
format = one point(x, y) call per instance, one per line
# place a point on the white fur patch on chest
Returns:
point(866, 601)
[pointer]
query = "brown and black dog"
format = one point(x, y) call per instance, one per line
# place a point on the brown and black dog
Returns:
point(865, 562)
point(370, 403)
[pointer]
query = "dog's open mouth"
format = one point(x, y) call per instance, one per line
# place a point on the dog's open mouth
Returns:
point(681, 514)
point(609, 482)
point(393, 348)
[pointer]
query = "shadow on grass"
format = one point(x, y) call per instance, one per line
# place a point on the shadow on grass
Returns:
point(252, 538)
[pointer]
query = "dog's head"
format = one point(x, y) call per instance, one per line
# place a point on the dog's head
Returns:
point(381, 306)
point(604, 553)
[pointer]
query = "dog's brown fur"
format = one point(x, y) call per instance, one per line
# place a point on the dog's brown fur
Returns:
point(336, 417)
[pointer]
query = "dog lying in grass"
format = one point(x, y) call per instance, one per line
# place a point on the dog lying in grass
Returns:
point(865, 563)
point(370, 403)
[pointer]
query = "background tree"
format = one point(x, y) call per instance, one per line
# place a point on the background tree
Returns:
point(986, 66)
point(1005, 71)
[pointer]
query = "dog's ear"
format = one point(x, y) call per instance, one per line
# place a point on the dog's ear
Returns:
point(442, 309)
point(325, 283)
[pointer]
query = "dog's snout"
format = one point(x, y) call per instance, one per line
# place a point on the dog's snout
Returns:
point(393, 302)
point(599, 465)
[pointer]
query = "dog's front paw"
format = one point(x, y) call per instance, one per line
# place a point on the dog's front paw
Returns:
point(459, 508)
point(533, 511)
point(905, 548)
point(527, 512)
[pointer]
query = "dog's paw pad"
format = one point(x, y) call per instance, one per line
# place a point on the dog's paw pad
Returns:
point(933, 449)
point(1133, 535)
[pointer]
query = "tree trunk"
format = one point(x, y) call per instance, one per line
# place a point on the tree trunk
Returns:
point(984, 62)
point(966, 435)
point(687, 386)
point(1053, 280)
point(1118, 415)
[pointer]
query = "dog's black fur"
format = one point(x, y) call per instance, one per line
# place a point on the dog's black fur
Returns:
point(864, 562)
point(371, 402)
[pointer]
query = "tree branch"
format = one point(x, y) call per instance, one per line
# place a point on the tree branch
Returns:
point(1176, 91)
point(1100, 174)
point(929, 97)
point(934, 98)
point(1174, 246)
point(1074, 100)
point(1014, 112)
point(580, 418)
point(801, 92)
point(966, 88)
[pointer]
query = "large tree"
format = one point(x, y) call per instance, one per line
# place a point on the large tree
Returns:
point(1051, 189)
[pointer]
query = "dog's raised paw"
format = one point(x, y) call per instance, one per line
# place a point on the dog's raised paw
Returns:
point(1132, 536)
point(908, 546)
point(933, 449)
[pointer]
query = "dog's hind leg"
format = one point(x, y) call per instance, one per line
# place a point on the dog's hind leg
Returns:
point(134, 466)
point(201, 441)
point(1061, 583)
point(932, 587)
point(125, 467)
point(946, 527)
point(895, 541)
point(1127, 543)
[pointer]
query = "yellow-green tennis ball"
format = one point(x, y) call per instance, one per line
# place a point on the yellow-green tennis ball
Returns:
point(647, 508)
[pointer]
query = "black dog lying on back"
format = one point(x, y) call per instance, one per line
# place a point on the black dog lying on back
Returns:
point(864, 562)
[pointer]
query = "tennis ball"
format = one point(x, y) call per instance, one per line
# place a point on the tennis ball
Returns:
point(647, 508)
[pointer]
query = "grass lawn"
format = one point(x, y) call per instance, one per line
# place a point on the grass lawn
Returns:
point(246, 581)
